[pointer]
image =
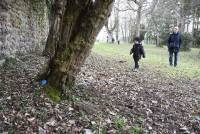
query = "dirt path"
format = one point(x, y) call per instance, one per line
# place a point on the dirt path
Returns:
point(109, 98)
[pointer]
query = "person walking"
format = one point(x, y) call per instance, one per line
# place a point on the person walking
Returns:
point(174, 44)
point(137, 51)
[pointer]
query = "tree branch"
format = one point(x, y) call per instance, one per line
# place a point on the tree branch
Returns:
point(153, 6)
point(124, 10)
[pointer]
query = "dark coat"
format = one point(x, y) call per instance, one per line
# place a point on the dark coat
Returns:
point(174, 41)
point(137, 51)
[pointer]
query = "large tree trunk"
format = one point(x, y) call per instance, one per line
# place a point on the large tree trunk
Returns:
point(74, 32)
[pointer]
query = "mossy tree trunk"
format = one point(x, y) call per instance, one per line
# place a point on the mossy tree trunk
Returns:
point(55, 22)
point(71, 37)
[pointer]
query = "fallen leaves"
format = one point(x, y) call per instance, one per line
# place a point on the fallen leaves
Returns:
point(109, 98)
point(51, 122)
point(31, 119)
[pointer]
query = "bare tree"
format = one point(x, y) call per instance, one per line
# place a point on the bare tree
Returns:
point(110, 28)
point(141, 8)
point(112, 25)
point(117, 19)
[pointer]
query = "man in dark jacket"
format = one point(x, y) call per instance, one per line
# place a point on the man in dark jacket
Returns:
point(137, 52)
point(174, 44)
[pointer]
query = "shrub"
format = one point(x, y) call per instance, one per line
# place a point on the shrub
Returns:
point(196, 36)
point(164, 38)
point(186, 42)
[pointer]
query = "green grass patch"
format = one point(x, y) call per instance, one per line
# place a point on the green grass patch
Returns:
point(136, 130)
point(11, 131)
point(120, 123)
point(156, 59)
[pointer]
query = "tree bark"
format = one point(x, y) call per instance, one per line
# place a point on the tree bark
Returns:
point(117, 21)
point(110, 29)
point(181, 24)
point(56, 20)
point(76, 30)
point(139, 13)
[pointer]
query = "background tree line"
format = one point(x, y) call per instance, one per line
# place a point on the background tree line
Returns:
point(153, 21)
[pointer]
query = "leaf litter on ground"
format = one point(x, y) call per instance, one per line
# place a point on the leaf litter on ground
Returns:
point(108, 98)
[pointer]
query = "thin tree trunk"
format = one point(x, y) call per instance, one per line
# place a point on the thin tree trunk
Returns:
point(157, 41)
point(82, 20)
point(182, 24)
point(139, 13)
point(193, 32)
point(181, 21)
point(117, 21)
point(117, 30)
point(110, 29)
point(123, 35)
point(125, 30)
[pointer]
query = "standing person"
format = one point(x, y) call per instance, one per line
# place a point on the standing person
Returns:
point(137, 52)
point(174, 44)
point(113, 40)
point(118, 42)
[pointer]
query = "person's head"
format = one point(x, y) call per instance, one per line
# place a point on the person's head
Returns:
point(137, 39)
point(176, 29)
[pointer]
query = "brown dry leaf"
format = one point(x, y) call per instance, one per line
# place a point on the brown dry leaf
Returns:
point(31, 119)
point(51, 122)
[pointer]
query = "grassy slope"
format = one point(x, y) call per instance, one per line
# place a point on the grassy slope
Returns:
point(156, 59)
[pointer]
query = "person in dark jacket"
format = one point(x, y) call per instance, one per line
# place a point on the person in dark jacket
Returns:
point(137, 51)
point(174, 44)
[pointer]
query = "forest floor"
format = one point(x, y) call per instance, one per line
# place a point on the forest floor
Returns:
point(109, 98)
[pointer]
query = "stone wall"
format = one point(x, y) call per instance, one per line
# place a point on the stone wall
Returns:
point(23, 26)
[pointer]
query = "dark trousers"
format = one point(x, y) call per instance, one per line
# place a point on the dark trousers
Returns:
point(136, 60)
point(173, 56)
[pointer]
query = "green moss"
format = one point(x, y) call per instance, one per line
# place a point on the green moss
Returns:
point(18, 22)
point(38, 11)
point(120, 123)
point(136, 129)
point(49, 4)
point(10, 131)
point(53, 94)
point(37, 5)
point(9, 62)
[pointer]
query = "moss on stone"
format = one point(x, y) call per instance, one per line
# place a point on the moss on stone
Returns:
point(52, 93)
point(18, 22)
point(38, 10)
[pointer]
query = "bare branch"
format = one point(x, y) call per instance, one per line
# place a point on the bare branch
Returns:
point(124, 10)
point(112, 28)
point(135, 1)
point(154, 4)
point(130, 6)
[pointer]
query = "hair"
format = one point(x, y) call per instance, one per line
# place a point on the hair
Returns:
point(137, 39)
